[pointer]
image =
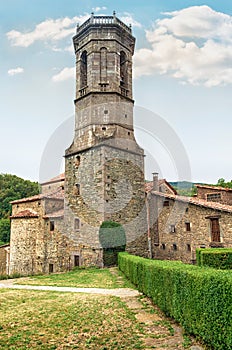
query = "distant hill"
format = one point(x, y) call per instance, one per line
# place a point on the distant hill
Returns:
point(184, 188)
point(187, 188)
point(182, 184)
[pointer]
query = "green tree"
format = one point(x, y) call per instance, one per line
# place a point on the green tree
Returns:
point(222, 183)
point(12, 187)
point(4, 231)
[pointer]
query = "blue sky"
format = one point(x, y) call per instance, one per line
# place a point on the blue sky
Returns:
point(182, 72)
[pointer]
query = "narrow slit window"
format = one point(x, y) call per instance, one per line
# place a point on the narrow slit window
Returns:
point(166, 203)
point(172, 228)
point(83, 70)
point(52, 225)
point(77, 224)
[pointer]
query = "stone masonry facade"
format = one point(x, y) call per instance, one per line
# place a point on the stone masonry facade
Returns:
point(104, 166)
point(182, 224)
point(104, 178)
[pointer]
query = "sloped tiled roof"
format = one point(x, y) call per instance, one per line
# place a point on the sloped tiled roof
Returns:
point(149, 185)
point(57, 194)
point(60, 177)
point(196, 201)
point(218, 188)
point(25, 214)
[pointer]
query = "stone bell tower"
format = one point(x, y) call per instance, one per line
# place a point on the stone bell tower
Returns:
point(104, 167)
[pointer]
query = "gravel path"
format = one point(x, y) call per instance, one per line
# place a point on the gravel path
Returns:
point(119, 292)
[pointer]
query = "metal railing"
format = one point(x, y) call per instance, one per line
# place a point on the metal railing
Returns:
point(103, 20)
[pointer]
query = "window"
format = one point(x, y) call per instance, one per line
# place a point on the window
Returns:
point(172, 228)
point(188, 226)
point(174, 246)
point(165, 203)
point(214, 197)
point(188, 248)
point(77, 161)
point(123, 69)
point(52, 225)
point(105, 111)
point(77, 224)
point(77, 189)
point(83, 70)
point(50, 268)
point(103, 65)
point(163, 246)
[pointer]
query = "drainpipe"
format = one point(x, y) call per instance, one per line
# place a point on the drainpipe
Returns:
point(148, 227)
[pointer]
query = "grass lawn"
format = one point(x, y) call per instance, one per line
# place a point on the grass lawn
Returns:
point(52, 320)
point(87, 278)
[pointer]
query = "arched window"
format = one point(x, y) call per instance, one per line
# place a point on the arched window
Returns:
point(83, 70)
point(103, 64)
point(123, 69)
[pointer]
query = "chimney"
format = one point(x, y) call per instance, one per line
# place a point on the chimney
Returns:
point(155, 181)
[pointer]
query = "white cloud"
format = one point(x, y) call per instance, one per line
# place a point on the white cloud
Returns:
point(97, 9)
point(14, 71)
point(50, 30)
point(193, 45)
point(64, 74)
point(53, 31)
point(128, 19)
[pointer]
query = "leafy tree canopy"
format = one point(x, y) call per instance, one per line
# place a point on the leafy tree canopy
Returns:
point(12, 187)
point(222, 183)
point(4, 231)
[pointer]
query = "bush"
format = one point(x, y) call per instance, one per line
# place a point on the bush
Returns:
point(113, 240)
point(218, 258)
point(200, 299)
point(112, 234)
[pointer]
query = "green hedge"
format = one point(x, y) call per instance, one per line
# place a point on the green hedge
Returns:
point(200, 299)
point(220, 258)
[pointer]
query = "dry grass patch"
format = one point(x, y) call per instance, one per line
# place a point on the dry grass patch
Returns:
point(87, 278)
point(51, 320)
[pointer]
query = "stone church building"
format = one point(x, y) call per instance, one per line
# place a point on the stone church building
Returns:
point(104, 177)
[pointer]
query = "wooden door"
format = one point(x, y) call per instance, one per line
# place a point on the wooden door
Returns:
point(215, 230)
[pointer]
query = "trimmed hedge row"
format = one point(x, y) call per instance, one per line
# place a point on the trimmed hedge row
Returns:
point(200, 299)
point(220, 258)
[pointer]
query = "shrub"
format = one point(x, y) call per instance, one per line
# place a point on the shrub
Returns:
point(199, 298)
point(218, 258)
point(113, 240)
point(112, 234)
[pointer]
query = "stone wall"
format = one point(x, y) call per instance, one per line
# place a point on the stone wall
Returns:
point(52, 186)
point(36, 245)
point(107, 184)
point(4, 259)
point(226, 194)
point(184, 227)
